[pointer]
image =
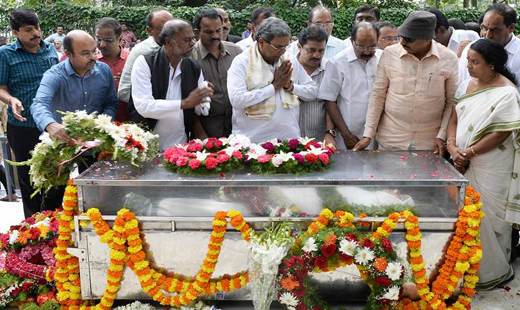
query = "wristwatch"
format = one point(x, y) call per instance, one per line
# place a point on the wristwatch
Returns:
point(331, 132)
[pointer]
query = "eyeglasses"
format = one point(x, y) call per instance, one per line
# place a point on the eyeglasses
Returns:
point(278, 48)
point(107, 41)
point(327, 24)
point(408, 40)
point(362, 48)
point(391, 39)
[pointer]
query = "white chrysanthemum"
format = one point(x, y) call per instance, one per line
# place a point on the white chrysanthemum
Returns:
point(392, 293)
point(13, 236)
point(364, 256)
point(393, 271)
point(310, 245)
point(348, 247)
point(288, 299)
point(103, 121)
point(46, 139)
point(316, 150)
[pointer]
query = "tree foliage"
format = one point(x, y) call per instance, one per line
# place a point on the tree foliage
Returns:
point(82, 16)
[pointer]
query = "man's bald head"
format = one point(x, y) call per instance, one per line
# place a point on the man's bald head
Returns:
point(76, 36)
point(172, 27)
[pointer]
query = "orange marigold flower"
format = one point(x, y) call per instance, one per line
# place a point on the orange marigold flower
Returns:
point(381, 264)
point(289, 283)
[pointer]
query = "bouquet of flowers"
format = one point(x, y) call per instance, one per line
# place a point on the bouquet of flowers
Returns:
point(296, 156)
point(89, 132)
point(266, 252)
point(207, 157)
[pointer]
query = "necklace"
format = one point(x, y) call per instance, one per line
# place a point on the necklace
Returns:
point(485, 84)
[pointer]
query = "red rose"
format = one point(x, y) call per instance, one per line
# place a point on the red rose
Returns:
point(219, 143)
point(383, 281)
point(194, 147)
point(194, 164)
point(210, 143)
point(324, 158)
point(298, 260)
point(301, 273)
point(211, 163)
point(387, 245)
point(301, 306)
point(290, 262)
point(346, 258)
point(368, 243)
point(299, 291)
point(222, 158)
point(311, 158)
point(181, 161)
point(384, 301)
point(320, 262)
point(352, 237)
point(26, 286)
point(328, 250)
point(35, 233)
point(237, 155)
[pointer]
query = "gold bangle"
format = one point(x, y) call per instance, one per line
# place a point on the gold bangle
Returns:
point(472, 150)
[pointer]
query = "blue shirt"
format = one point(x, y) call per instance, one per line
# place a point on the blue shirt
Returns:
point(62, 89)
point(21, 72)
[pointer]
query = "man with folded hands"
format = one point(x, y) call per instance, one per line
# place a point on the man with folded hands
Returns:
point(264, 85)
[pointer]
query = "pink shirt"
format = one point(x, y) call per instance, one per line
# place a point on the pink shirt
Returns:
point(129, 37)
point(117, 68)
point(411, 100)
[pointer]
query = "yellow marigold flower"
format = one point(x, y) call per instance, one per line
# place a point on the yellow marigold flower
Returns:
point(461, 266)
point(326, 213)
point(423, 291)
point(141, 265)
point(119, 229)
point(232, 213)
point(417, 267)
point(131, 224)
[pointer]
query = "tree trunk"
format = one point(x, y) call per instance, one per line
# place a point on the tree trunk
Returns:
point(474, 3)
point(466, 3)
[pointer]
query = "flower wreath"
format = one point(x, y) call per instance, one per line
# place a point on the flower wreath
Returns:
point(220, 155)
point(209, 156)
point(29, 247)
point(325, 248)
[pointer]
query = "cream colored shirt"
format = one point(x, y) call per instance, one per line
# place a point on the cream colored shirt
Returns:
point(411, 99)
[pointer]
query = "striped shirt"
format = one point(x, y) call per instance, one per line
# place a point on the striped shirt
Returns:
point(313, 113)
point(21, 72)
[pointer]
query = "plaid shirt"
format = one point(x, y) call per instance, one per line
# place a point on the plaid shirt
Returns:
point(21, 72)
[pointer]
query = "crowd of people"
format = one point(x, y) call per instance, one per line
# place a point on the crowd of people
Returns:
point(424, 85)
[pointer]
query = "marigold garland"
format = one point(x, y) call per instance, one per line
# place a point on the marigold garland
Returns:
point(126, 248)
point(461, 260)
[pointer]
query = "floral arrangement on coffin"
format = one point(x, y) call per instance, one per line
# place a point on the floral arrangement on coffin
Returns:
point(341, 244)
point(298, 156)
point(137, 305)
point(89, 132)
point(209, 156)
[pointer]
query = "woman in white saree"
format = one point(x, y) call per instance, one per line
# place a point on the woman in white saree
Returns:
point(483, 133)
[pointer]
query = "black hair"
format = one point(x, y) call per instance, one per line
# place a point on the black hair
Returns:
point(21, 17)
point(317, 8)
point(457, 23)
point(149, 17)
point(356, 27)
point(504, 10)
point(381, 25)
point(263, 12)
point(494, 54)
point(312, 33)
point(441, 19)
point(109, 22)
point(67, 43)
point(473, 26)
point(207, 13)
point(369, 8)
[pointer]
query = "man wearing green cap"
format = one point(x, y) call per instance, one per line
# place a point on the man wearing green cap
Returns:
point(412, 97)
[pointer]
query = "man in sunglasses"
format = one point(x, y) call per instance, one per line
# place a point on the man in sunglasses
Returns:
point(347, 84)
point(265, 86)
point(413, 93)
point(108, 38)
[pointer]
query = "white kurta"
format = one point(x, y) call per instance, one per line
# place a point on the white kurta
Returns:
point(284, 122)
point(459, 35)
point(348, 80)
point(168, 112)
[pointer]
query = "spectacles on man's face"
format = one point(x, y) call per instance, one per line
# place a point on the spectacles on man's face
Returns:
point(327, 24)
point(362, 48)
point(278, 48)
point(88, 55)
point(408, 40)
point(391, 39)
point(107, 41)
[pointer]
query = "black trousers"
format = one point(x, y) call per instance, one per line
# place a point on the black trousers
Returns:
point(22, 140)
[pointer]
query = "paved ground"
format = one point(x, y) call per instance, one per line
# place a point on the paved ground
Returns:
point(504, 298)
